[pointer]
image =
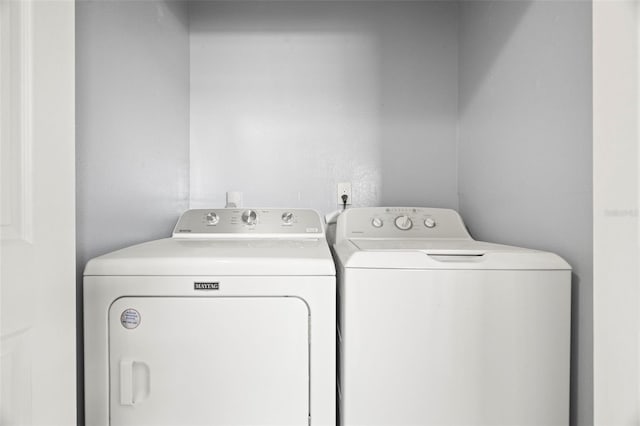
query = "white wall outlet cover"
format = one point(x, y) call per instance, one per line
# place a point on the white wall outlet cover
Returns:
point(344, 188)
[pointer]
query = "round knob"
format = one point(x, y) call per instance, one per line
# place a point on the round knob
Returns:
point(287, 218)
point(377, 222)
point(250, 217)
point(429, 222)
point(212, 218)
point(403, 222)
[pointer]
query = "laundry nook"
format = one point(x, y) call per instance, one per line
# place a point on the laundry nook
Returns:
point(319, 212)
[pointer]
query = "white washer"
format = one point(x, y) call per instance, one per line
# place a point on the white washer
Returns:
point(229, 322)
point(438, 329)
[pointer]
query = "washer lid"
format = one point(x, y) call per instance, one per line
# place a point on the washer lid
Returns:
point(199, 257)
point(435, 245)
point(444, 254)
point(425, 238)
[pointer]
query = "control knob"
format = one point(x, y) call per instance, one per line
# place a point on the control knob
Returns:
point(403, 222)
point(377, 222)
point(429, 222)
point(212, 218)
point(287, 218)
point(250, 217)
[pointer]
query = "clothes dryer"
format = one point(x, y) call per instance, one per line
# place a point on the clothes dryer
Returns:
point(229, 322)
point(438, 329)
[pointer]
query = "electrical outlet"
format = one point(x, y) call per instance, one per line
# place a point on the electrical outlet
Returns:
point(344, 188)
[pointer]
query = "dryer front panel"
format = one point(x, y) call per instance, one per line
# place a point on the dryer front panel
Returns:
point(208, 361)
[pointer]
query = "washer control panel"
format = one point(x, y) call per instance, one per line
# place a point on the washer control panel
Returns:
point(221, 223)
point(401, 222)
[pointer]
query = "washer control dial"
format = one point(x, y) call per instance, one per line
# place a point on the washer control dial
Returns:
point(212, 218)
point(430, 222)
point(376, 222)
point(250, 217)
point(287, 218)
point(403, 223)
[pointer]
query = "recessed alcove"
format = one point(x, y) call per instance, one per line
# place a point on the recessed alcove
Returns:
point(480, 106)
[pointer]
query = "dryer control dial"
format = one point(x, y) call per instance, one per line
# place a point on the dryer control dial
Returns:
point(287, 218)
point(250, 217)
point(403, 223)
point(212, 218)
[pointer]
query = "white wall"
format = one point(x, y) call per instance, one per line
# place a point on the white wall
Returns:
point(525, 159)
point(615, 213)
point(132, 116)
point(289, 98)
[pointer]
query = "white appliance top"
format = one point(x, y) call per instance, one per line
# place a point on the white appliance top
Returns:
point(236, 242)
point(425, 238)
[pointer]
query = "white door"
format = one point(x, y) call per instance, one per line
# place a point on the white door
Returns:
point(209, 361)
point(37, 256)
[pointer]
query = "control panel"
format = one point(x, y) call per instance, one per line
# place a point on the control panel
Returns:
point(221, 223)
point(401, 222)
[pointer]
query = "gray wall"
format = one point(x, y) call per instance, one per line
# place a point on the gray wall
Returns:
point(289, 98)
point(133, 122)
point(525, 147)
point(132, 113)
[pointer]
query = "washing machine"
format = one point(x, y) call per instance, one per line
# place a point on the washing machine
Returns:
point(436, 328)
point(231, 321)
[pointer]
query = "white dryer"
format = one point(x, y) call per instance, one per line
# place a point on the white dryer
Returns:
point(229, 322)
point(438, 329)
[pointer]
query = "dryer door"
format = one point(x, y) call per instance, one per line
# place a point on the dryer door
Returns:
point(209, 361)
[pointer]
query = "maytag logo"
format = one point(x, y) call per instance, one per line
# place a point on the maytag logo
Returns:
point(206, 286)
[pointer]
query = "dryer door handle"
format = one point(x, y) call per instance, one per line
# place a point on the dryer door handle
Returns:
point(134, 381)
